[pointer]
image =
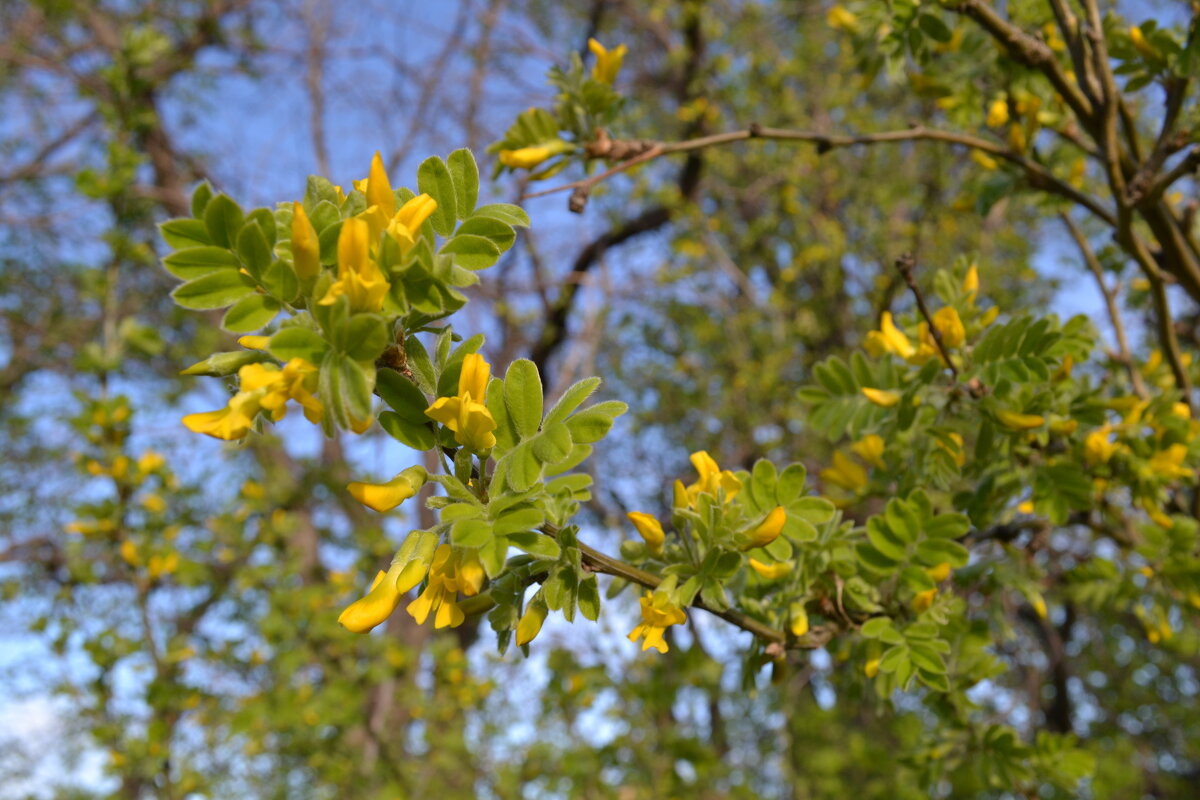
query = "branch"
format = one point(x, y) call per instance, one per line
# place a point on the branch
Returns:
point(1039, 176)
point(905, 265)
point(1110, 300)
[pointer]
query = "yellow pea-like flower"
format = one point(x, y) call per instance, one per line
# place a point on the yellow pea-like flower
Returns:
point(524, 157)
point(306, 250)
point(997, 113)
point(771, 572)
point(608, 62)
point(885, 398)
point(531, 621)
point(769, 529)
point(924, 600)
point(650, 529)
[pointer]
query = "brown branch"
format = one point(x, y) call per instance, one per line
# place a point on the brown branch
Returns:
point(1038, 175)
point(905, 265)
point(1125, 356)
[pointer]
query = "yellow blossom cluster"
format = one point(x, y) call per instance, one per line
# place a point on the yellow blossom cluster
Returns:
point(263, 387)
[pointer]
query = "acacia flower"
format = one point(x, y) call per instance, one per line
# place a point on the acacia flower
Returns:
point(531, 621)
point(262, 387)
point(524, 157)
point(798, 619)
point(889, 339)
point(383, 597)
point(768, 530)
point(712, 479)
point(970, 283)
point(844, 473)
point(466, 414)
point(923, 600)
point(359, 277)
point(658, 614)
point(383, 497)
point(870, 449)
point(884, 398)
point(841, 19)
point(405, 226)
point(608, 62)
point(1018, 421)
point(306, 250)
point(871, 668)
point(950, 326)
point(650, 529)
point(771, 572)
point(997, 113)
point(1169, 463)
point(453, 570)
point(939, 573)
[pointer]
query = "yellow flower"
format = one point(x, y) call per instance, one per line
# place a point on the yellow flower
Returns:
point(889, 339)
point(844, 473)
point(798, 619)
point(531, 621)
point(1143, 45)
point(1064, 427)
point(306, 250)
point(151, 462)
point(232, 422)
point(363, 615)
point(129, 552)
point(383, 497)
point(871, 668)
point(466, 414)
point(359, 278)
point(525, 157)
point(658, 614)
point(924, 600)
point(650, 529)
point(452, 571)
point(950, 326)
point(679, 495)
point(1018, 421)
point(1025, 507)
point(771, 572)
point(712, 479)
point(154, 503)
point(405, 227)
point(970, 283)
point(883, 398)
point(1181, 410)
point(1039, 605)
point(381, 201)
point(608, 62)
point(1097, 449)
point(984, 160)
point(870, 449)
point(1169, 463)
point(997, 114)
point(841, 19)
point(939, 573)
point(769, 529)
point(254, 342)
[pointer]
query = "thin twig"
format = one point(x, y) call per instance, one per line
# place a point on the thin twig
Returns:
point(905, 264)
point(1110, 301)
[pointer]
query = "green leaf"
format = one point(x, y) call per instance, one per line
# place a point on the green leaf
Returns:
point(416, 435)
point(184, 233)
point(506, 213)
point(874, 627)
point(471, 252)
point(589, 598)
point(523, 396)
point(519, 520)
point(925, 658)
point(254, 249)
point(498, 233)
point(471, 533)
point(934, 28)
point(216, 290)
point(947, 526)
point(195, 262)
point(553, 444)
point(433, 178)
point(902, 521)
point(402, 395)
point(200, 199)
point(297, 342)
point(885, 540)
point(932, 552)
point(537, 545)
point(465, 174)
point(251, 313)
point(366, 337)
point(223, 219)
point(345, 389)
point(420, 364)
point(593, 423)
point(790, 484)
point(762, 485)
point(281, 281)
point(571, 399)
